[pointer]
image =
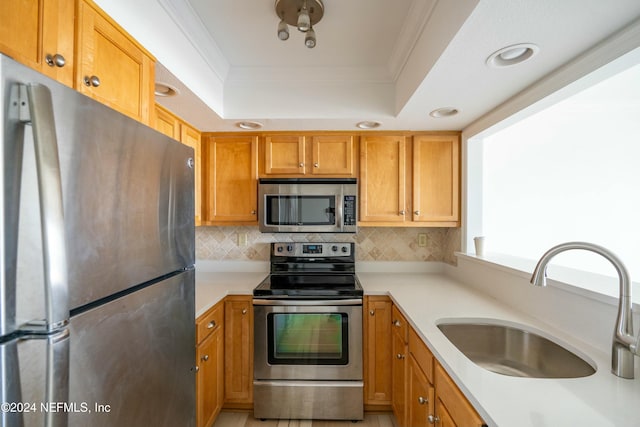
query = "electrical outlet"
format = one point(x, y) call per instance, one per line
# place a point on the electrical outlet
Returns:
point(422, 239)
point(242, 239)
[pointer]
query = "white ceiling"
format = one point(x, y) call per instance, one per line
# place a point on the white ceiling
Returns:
point(391, 61)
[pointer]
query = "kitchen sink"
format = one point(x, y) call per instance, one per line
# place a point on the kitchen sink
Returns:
point(514, 351)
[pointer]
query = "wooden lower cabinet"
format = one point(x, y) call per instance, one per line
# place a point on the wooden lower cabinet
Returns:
point(238, 355)
point(377, 354)
point(210, 363)
point(420, 396)
point(400, 353)
point(432, 397)
point(451, 407)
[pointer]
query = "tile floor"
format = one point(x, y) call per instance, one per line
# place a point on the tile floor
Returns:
point(245, 419)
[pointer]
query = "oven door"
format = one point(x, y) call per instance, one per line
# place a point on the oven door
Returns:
point(308, 339)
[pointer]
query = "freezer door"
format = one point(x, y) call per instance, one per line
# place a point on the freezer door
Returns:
point(132, 359)
point(127, 196)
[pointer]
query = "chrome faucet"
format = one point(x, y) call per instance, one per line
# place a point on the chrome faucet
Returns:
point(624, 345)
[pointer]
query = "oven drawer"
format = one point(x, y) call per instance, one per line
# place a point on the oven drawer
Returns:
point(319, 400)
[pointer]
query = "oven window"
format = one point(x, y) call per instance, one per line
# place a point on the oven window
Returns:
point(308, 338)
point(301, 210)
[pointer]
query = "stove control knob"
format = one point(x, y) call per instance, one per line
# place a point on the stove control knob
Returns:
point(289, 248)
point(334, 248)
point(278, 248)
point(344, 249)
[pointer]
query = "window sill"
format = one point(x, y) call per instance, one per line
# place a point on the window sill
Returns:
point(586, 284)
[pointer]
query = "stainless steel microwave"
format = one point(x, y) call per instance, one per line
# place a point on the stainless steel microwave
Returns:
point(307, 205)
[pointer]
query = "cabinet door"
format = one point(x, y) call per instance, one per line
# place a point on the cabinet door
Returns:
point(400, 352)
point(191, 137)
point(377, 381)
point(166, 122)
point(436, 179)
point(420, 403)
point(124, 71)
point(458, 411)
point(231, 180)
point(209, 380)
point(238, 360)
point(382, 179)
point(332, 155)
point(33, 31)
point(284, 155)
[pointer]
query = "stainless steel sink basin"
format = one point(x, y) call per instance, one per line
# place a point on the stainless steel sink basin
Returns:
point(510, 350)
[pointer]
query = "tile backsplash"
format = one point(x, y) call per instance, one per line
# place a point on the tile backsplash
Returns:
point(372, 243)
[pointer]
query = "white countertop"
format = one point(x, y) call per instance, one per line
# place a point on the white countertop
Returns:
point(425, 299)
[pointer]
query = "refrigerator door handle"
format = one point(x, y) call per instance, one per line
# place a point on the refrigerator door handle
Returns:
point(57, 383)
point(40, 115)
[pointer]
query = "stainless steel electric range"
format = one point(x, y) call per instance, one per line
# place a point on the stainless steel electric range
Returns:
point(308, 334)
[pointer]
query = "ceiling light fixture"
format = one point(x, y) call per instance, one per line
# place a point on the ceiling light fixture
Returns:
point(248, 125)
point(512, 55)
point(444, 112)
point(302, 14)
point(165, 90)
point(368, 124)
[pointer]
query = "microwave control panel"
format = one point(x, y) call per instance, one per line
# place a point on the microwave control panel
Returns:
point(349, 210)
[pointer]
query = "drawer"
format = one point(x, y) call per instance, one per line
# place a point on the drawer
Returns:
point(421, 353)
point(399, 324)
point(209, 322)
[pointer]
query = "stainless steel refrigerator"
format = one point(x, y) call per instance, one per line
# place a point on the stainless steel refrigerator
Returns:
point(97, 253)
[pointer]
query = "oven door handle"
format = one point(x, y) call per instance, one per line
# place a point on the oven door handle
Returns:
point(305, 302)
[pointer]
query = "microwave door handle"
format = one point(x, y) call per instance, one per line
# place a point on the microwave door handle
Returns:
point(40, 115)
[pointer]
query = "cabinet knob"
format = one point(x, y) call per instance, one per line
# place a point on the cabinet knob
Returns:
point(417, 213)
point(56, 60)
point(400, 357)
point(433, 419)
point(396, 323)
point(372, 312)
point(205, 358)
point(244, 311)
point(91, 81)
point(253, 212)
point(211, 324)
point(316, 165)
point(422, 400)
point(401, 212)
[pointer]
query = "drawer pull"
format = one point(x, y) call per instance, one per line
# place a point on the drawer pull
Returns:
point(397, 323)
point(211, 324)
point(400, 357)
point(433, 419)
point(422, 400)
point(205, 358)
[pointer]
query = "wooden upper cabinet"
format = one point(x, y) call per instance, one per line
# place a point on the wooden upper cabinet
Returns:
point(230, 180)
point(112, 67)
point(284, 155)
point(436, 179)
point(383, 179)
point(39, 34)
point(322, 155)
point(332, 155)
point(191, 137)
point(166, 122)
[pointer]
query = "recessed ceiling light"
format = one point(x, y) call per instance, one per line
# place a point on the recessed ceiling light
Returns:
point(368, 124)
point(512, 55)
point(249, 125)
point(444, 112)
point(165, 89)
